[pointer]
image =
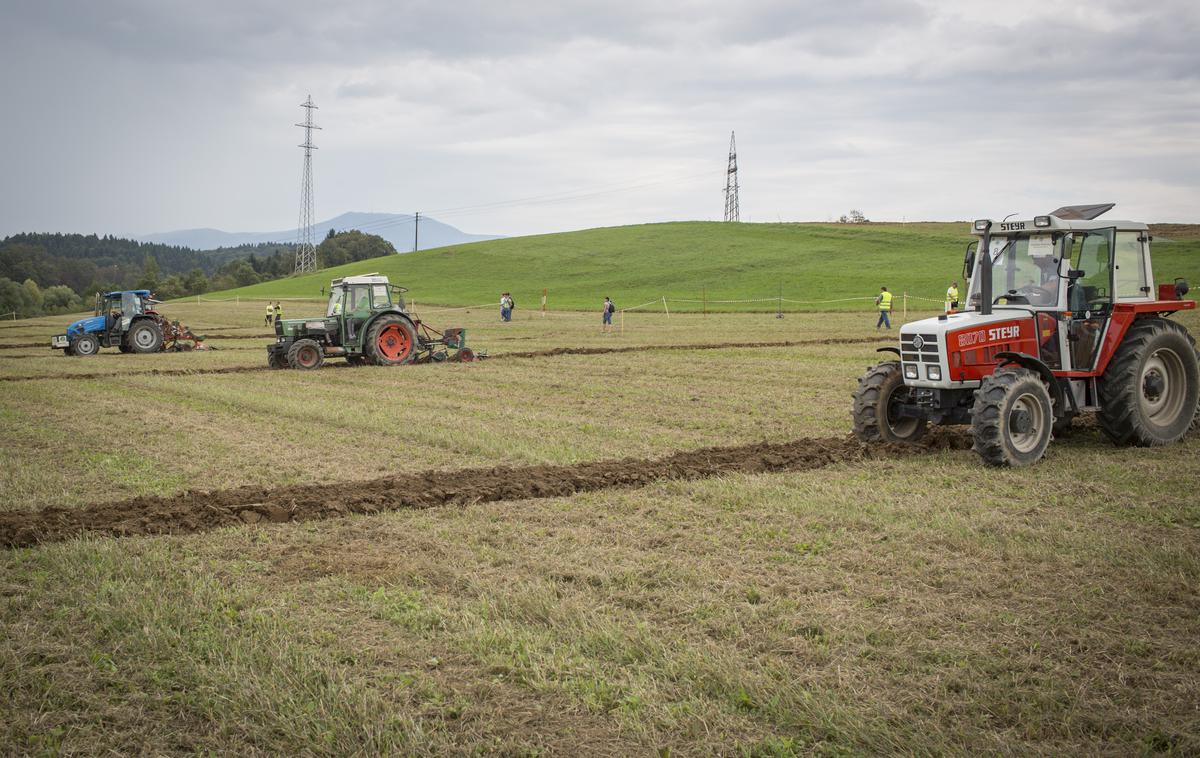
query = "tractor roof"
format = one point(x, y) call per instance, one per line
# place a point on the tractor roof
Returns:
point(1066, 218)
point(371, 278)
point(142, 293)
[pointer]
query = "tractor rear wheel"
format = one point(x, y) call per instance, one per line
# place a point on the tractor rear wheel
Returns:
point(305, 354)
point(85, 345)
point(1012, 418)
point(1149, 392)
point(876, 404)
point(144, 337)
point(391, 341)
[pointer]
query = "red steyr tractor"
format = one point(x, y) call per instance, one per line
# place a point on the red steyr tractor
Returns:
point(1062, 317)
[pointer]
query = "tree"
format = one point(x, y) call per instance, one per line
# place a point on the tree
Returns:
point(34, 296)
point(857, 217)
point(150, 274)
point(60, 299)
point(351, 246)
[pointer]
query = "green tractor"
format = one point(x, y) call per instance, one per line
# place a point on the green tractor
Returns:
point(366, 322)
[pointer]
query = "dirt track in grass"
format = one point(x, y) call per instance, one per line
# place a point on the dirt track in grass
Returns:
point(202, 511)
point(550, 353)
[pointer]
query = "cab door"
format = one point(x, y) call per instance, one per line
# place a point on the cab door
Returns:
point(1089, 295)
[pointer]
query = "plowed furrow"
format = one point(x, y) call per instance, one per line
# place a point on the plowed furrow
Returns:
point(192, 512)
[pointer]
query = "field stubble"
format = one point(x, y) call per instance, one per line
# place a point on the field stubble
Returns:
point(921, 604)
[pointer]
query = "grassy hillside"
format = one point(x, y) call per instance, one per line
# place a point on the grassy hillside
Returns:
point(634, 264)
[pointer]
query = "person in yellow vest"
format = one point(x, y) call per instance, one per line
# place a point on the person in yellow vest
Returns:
point(270, 314)
point(952, 297)
point(884, 302)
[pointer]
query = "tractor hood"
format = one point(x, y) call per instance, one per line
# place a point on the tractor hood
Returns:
point(292, 327)
point(942, 351)
point(85, 325)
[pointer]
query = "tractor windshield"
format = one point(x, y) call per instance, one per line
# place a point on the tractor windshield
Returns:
point(1025, 271)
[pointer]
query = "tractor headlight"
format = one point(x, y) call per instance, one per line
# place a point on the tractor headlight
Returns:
point(934, 373)
point(1041, 222)
point(910, 371)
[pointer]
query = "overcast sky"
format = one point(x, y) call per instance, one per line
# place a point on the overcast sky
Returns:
point(137, 116)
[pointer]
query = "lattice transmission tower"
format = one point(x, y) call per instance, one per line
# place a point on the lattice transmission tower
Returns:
point(306, 251)
point(732, 212)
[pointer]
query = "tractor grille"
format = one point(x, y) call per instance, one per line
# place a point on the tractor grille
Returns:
point(926, 353)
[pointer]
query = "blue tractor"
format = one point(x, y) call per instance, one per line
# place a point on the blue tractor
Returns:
point(125, 320)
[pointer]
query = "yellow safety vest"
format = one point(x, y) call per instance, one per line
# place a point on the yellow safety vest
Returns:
point(885, 301)
point(952, 294)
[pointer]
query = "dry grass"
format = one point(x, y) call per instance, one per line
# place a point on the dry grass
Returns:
point(925, 605)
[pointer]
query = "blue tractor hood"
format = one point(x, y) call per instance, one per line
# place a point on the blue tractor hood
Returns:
point(92, 324)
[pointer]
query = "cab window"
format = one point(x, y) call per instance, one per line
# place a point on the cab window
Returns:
point(1129, 276)
point(379, 296)
point(360, 298)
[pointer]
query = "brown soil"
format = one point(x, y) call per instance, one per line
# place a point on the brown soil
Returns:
point(503, 356)
point(193, 511)
point(21, 345)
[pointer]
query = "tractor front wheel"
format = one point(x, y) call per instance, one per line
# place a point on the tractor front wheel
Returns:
point(881, 392)
point(305, 354)
point(275, 360)
point(1012, 418)
point(391, 341)
point(86, 345)
point(144, 337)
point(1149, 392)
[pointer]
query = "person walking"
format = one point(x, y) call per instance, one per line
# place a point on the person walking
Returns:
point(609, 309)
point(505, 307)
point(270, 314)
point(884, 302)
point(952, 297)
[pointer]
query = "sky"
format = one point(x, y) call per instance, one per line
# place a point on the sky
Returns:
point(140, 116)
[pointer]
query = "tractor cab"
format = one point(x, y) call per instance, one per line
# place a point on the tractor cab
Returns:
point(120, 308)
point(353, 300)
point(1062, 317)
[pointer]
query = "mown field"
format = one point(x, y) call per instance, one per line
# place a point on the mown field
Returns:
point(698, 261)
point(876, 603)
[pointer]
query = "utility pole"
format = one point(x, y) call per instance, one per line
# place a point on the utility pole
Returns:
point(306, 251)
point(417, 232)
point(732, 212)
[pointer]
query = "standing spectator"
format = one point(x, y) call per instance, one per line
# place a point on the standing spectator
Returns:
point(278, 312)
point(506, 306)
point(884, 302)
point(952, 297)
point(609, 309)
point(270, 314)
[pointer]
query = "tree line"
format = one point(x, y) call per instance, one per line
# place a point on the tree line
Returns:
point(45, 274)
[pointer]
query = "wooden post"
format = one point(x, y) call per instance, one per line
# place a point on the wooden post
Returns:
point(905, 306)
point(544, 293)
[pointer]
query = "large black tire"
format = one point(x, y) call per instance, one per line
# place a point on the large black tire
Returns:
point(1149, 392)
point(85, 345)
point(1012, 418)
point(275, 360)
point(875, 420)
point(306, 355)
point(144, 337)
point(124, 348)
point(390, 341)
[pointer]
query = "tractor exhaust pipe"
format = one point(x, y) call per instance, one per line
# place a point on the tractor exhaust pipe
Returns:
point(985, 267)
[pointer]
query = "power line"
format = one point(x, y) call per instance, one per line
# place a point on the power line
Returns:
point(306, 251)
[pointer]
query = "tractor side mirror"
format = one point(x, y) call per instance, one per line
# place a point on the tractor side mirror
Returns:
point(1075, 273)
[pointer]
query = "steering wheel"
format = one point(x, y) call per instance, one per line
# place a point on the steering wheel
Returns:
point(1013, 297)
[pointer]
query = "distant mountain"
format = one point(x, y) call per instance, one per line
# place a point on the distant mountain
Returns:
point(393, 227)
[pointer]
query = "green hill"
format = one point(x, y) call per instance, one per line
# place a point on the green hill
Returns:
point(686, 261)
